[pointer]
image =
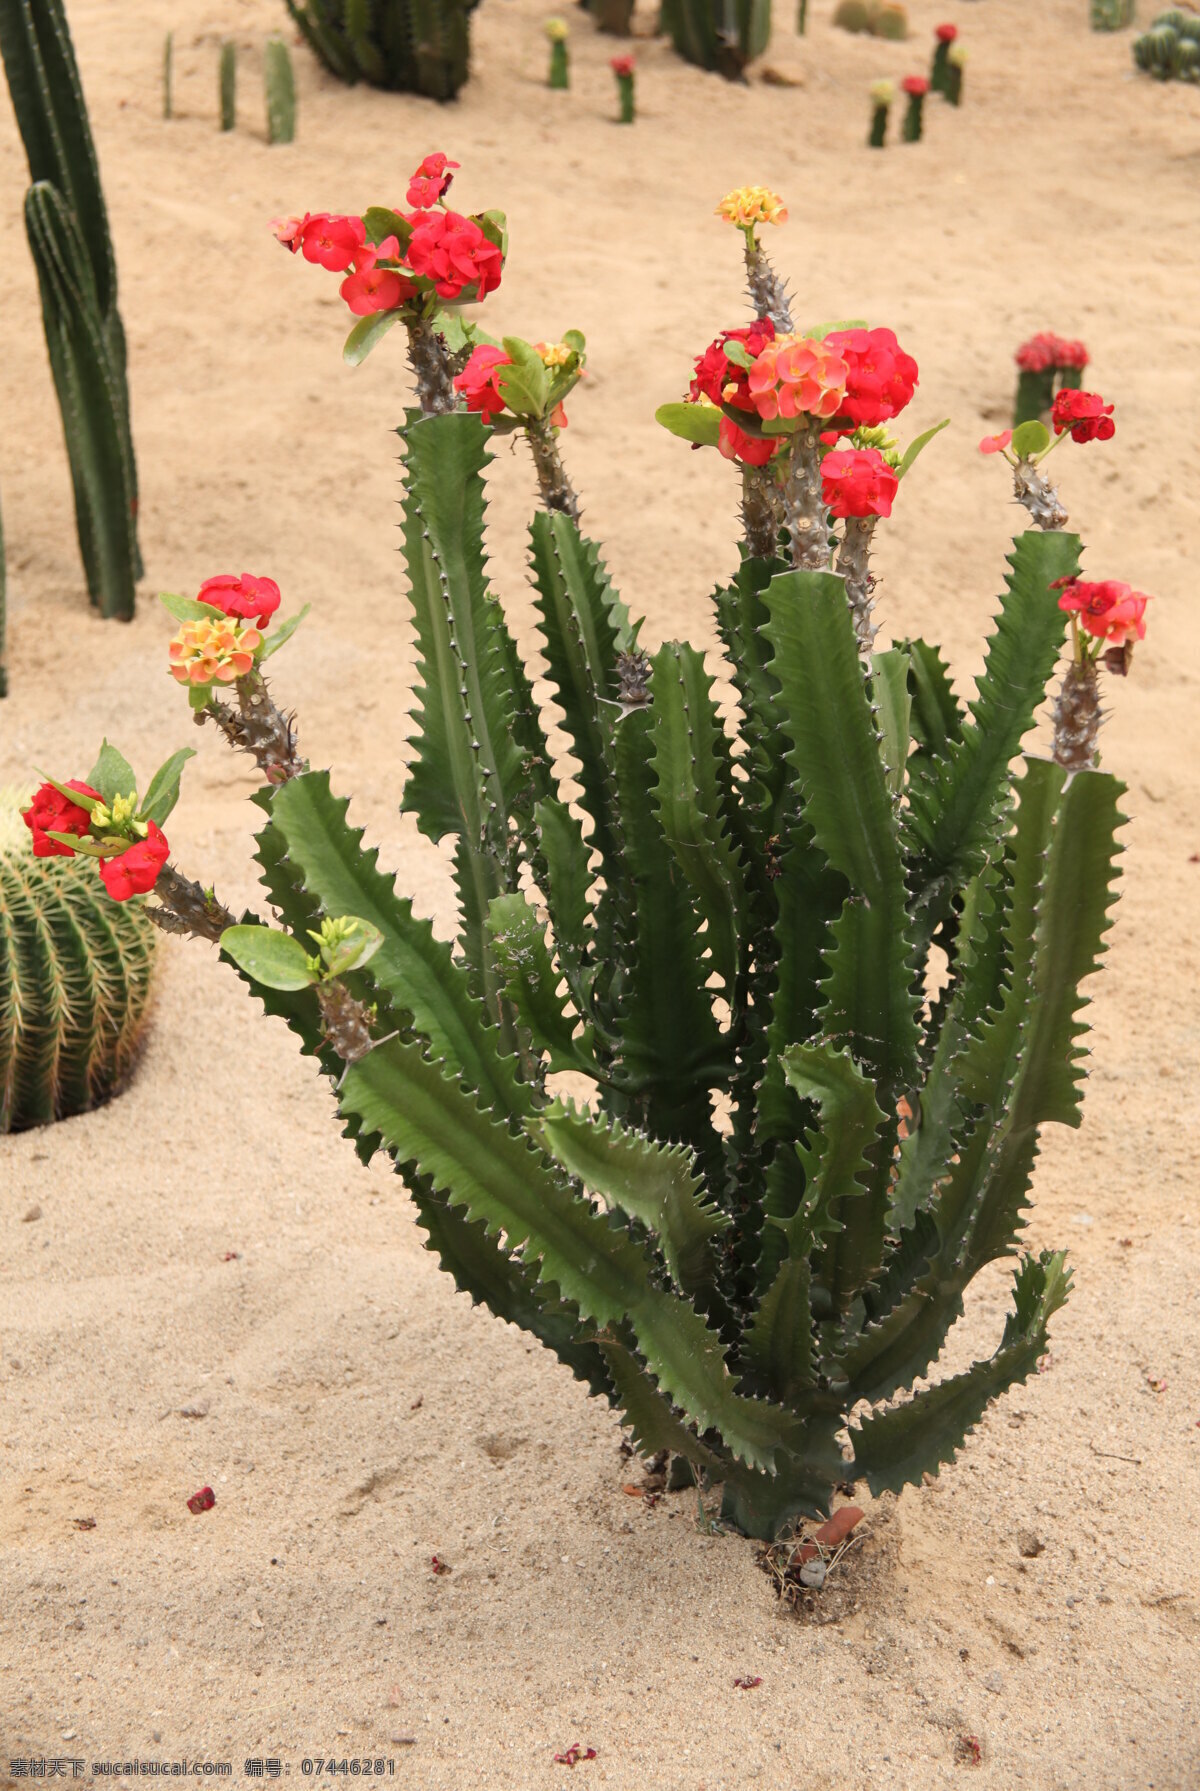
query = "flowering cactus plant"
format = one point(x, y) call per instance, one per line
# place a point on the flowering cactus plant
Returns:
point(1044, 363)
point(622, 67)
point(801, 1145)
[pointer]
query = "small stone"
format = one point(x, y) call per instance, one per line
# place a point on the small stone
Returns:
point(812, 1573)
point(196, 1408)
point(403, 1740)
point(1030, 1544)
point(256, 1621)
point(994, 1682)
point(31, 1213)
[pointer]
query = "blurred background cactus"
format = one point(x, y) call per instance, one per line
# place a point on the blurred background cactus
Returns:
point(879, 18)
point(613, 16)
point(1045, 363)
point(279, 87)
point(1170, 50)
point(227, 85)
point(1113, 15)
point(67, 225)
point(559, 74)
point(3, 613)
point(408, 46)
point(719, 35)
point(75, 982)
point(882, 95)
point(169, 75)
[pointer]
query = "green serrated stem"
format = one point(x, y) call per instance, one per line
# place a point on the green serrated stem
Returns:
point(804, 509)
point(187, 908)
point(430, 362)
point(557, 491)
point(258, 727)
point(760, 512)
point(1039, 497)
point(854, 564)
point(768, 294)
point(1077, 717)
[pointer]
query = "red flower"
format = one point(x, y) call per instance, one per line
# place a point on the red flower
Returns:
point(916, 85)
point(290, 231)
point(333, 242)
point(245, 597)
point(715, 373)
point(52, 812)
point(453, 253)
point(1039, 354)
point(751, 450)
point(622, 66)
point(477, 381)
point(1085, 414)
point(858, 482)
point(946, 34)
point(136, 870)
point(375, 289)
point(1111, 611)
point(1070, 354)
point(432, 179)
point(996, 444)
point(880, 377)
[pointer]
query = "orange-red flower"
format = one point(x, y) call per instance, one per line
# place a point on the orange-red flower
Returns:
point(431, 182)
point(880, 376)
point(290, 231)
point(1111, 611)
point(946, 34)
point(135, 872)
point(52, 812)
point(996, 444)
point(1085, 414)
point(244, 597)
point(375, 289)
point(332, 242)
point(213, 652)
point(477, 381)
point(915, 85)
point(858, 482)
point(748, 206)
point(797, 376)
point(453, 253)
point(622, 66)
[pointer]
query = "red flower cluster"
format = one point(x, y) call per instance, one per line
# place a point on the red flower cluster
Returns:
point(880, 377)
point(946, 34)
point(52, 812)
point(431, 182)
point(453, 253)
point(1046, 350)
point(622, 66)
point(477, 381)
point(1085, 414)
point(246, 597)
point(915, 85)
point(858, 482)
point(721, 380)
point(1111, 611)
point(135, 871)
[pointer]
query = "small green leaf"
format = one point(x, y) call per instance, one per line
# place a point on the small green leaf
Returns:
point(163, 792)
point(188, 609)
point(85, 846)
point(494, 225)
point(357, 942)
point(382, 223)
point(274, 959)
point(1029, 439)
point(691, 422)
point(525, 385)
point(366, 333)
point(80, 801)
point(575, 341)
point(738, 353)
point(200, 695)
point(915, 447)
point(112, 775)
point(459, 334)
point(821, 330)
point(280, 636)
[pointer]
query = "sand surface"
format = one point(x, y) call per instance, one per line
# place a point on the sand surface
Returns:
point(361, 1416)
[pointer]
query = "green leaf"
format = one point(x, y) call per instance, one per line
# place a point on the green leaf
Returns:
point(691, 422)
point(163, 791)
point(75, 796)
point(1029, 439)
point(274, 959)
point(112, 775)
point(821, 330)
point(199, 696)
point(381, 223)
point(428, 1120)
point(575, 340)
point(915, 447)
point(280, 636)
point(85, 845)
point(525, 385)
point(188, 609)
point(738, 353)
point(655, 1183)
point(366, 333)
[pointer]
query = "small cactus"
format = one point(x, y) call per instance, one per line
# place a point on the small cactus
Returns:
point(889, 20)
point(405, 46)
point(1112, 15)
point(560, 67)
point(801, 17)
point(916, 87)
point(1170, 50)
point(955, 63)
point(75, 977)
point(168, 75)
point(279, 87)
point(882, 95)
point(622, 68)
point(852, 15)
point(227, 85)
point(939, 73)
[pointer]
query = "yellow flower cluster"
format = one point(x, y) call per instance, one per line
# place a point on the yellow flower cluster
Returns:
point(748, 206)
point(553, 354)
point(213, 652)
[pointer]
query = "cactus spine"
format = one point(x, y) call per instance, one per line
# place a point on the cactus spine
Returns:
point(280, 90)
point(77, 277)
point(75, 978)
point(168, 75)
point(720, 35)
point(408, 46)
point(227, 85)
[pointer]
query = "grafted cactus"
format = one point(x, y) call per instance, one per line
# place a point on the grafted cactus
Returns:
point(410, 46)
point(68, 233)
point(722, 35)
point(75, 981)
point(801, 1143)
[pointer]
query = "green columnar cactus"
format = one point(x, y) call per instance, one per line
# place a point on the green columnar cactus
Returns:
point(227, 85)
point(168, 75)
point(722, 35)
point(43, 79)
point(801, 17)
point(623, 70)
point(559, 76)
point(939, 72)
point(916, 87)
point(75, 981)
point(1170, 50)
point(955, 63)
point(279, 88)
point(882, 95)
point(91, 397)
point(1113, 15)
point(408, 46)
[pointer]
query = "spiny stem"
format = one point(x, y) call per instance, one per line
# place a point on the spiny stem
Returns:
point(187, 909)
point(854, 564)
point(1038, 496)
point(768, 294)
point(256, 726)
point(803, 506)
point(1077, 717)
point(557, 491)
point(347, 1021)
point(760, 512)
point(431, 363)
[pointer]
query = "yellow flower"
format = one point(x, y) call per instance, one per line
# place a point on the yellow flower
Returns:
point(883, 92)
point(748, 206)
point(556, 30)
point(554, 354)
point(213, 652)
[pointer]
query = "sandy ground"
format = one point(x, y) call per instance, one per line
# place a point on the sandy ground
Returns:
point(360, 1415)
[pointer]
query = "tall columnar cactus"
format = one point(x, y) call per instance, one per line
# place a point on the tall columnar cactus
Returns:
point(801, 1142)
point(168, 75)
point(1112, 15)
point(410, 46)
point(1046, 363)
point(75, 983)
point(721, 35)
point(882, 95)
point(227, 85)
point(279, 88)
point(77, 274)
